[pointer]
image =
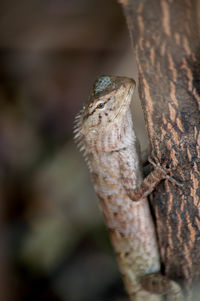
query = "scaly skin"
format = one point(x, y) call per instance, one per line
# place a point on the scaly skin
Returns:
point(105, 133)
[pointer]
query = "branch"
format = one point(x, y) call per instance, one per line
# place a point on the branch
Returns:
point(166, 44)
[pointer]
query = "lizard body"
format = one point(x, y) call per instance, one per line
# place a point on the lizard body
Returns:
point(105, 133)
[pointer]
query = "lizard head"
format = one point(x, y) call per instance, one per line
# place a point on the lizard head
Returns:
point(105, 110)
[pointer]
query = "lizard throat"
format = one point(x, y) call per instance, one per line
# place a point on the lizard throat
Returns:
point(125, 103)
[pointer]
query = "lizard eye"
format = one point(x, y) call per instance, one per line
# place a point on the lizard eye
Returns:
point(100, 105)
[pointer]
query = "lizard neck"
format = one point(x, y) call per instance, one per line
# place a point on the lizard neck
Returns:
point(114, 136)
point(110, 170)
point(114, 159)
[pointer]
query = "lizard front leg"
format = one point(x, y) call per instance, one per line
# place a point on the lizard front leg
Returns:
point(150, 182)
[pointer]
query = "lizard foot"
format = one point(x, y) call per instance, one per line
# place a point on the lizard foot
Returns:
point(149, 183)
point(163, 170)
point(161, 285)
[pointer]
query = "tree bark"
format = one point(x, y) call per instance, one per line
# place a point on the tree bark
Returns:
point(166, 42)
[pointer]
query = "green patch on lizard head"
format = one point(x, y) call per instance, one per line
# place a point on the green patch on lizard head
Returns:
point(101, 84)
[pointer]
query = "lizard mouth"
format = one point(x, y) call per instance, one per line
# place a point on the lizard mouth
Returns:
point(124, 103)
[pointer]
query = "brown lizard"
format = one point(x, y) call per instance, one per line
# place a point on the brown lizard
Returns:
point(104, 131)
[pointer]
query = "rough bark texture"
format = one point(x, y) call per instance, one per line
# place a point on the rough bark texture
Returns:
point(166, 43)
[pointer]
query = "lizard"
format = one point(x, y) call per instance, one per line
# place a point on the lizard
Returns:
point(104, 133)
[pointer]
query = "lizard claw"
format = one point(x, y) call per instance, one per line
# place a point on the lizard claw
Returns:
point(154, 159)
point(172, 180)
point(154, 162)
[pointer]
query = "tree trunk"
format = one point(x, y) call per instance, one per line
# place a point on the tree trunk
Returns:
point(166, 43)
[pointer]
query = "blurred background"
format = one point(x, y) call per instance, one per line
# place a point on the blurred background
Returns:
point(54, 245)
